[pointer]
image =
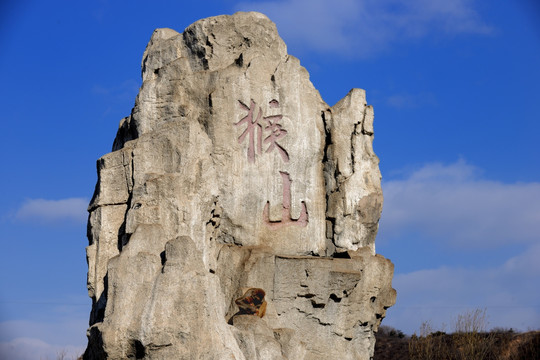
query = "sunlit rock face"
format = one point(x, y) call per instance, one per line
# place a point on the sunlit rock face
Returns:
point(231, 173)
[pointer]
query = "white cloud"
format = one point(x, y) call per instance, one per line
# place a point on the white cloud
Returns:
point(126, 90)
point(411, 101)
point(509, 293)
point(452, 203)
point(362, 28)
point(49, 211)
point(30, 340)
point(32, 349)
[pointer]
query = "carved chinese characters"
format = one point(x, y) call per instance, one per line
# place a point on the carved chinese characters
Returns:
point(251, 126)
point(286, 218)
point(275, 130)
point(269, 127)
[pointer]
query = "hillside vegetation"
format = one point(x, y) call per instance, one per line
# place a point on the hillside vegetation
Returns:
point(469, 341)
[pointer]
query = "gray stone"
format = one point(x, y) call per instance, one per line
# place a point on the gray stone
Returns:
point(232, 173)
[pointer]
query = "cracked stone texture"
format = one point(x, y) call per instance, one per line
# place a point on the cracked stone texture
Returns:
point(231, 172)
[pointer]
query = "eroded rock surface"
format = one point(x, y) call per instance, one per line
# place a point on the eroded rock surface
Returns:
point(232, 173)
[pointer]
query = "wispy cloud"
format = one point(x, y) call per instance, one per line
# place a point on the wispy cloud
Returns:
point(45, 339)
point(32, 349)
point(123, 91)
point(453, 204)
point(52, 211)
point(365, 27)
point(508, 292)
point(411, 101)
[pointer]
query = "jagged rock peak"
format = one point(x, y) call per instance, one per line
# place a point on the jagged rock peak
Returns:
point(236, 216)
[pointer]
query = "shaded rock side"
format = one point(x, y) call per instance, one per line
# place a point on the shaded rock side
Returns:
point(232, 173)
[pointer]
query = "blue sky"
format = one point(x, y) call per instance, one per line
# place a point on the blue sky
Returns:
point(456, 88)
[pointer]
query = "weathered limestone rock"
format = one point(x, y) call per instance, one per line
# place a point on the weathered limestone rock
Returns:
point(232, 173)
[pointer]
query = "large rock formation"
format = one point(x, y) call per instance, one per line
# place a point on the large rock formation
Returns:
point(232, 173)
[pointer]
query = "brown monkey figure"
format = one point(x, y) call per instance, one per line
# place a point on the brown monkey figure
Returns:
point(252, 302)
